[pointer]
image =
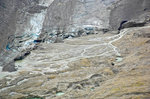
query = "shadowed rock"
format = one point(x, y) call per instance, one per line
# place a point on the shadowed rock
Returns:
point(9, 67)
point(129, 10)
point(22, 56)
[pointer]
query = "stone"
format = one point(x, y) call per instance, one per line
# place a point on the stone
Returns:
point(9, 67)
point(59, 40)
point(22, 56)
point(80, 32)
point(129, 24)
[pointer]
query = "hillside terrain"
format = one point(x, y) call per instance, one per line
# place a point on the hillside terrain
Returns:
point(100, 66)
point(75, 49)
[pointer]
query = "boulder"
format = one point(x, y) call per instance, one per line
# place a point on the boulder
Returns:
point(10, 67)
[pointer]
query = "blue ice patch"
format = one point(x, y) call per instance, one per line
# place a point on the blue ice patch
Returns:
point(7, 47)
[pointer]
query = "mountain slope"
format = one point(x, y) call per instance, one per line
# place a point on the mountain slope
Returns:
point(96, 66)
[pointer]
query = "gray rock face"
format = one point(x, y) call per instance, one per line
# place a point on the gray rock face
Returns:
point(10, 67)
point(126, 10)
point(21, 24)
point(13, 14)
point(21, 19)
point(69, 15)
point(7, 21)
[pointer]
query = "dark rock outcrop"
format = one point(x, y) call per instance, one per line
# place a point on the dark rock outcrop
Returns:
point(136, 10)
point(22, 56)
point(9, 67)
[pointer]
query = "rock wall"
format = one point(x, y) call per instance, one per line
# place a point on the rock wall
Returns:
point(72, 14)
point(126, 10)
point(21, 24)
point(7, 20)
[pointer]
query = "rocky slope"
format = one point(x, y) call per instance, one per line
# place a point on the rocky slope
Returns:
point(101, 66)
point(23, 22)
point(37, 63)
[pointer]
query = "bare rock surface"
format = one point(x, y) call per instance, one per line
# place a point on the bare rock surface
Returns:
point(100, 66)
point(21, 22)
point(126, 10)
